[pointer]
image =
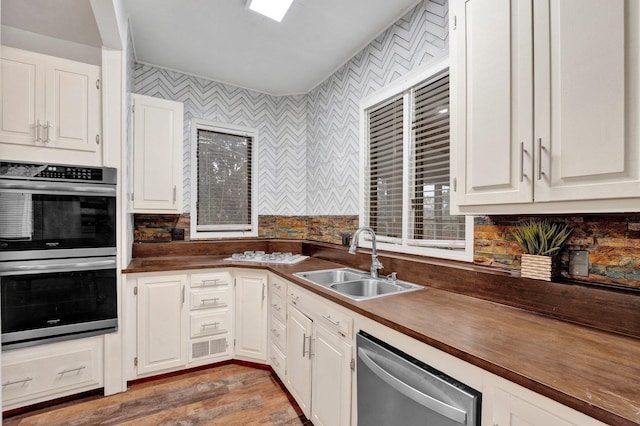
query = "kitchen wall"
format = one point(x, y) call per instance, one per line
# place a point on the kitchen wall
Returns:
point(333, 107)
point(309, 154)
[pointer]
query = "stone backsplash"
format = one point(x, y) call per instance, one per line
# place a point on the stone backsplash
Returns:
point(613, 241)
point(328, 228)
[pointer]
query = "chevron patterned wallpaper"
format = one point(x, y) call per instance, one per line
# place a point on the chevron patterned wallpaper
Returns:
point(333, 107)
point(308, 144)
point(280, 120)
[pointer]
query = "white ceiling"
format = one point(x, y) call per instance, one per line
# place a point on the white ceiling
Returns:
point(223, 40)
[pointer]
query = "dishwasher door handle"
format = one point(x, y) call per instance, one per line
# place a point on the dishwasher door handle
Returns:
point(446, 410)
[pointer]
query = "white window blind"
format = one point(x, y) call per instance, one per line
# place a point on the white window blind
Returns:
point(384, 167)
point(224, 176)
point(430, 222)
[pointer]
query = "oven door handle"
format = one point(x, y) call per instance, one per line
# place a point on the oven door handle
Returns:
point(435, 405)
point(33, 187)
point(57, 267)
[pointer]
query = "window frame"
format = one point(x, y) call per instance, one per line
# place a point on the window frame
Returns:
point(201, 124)
point(401, 87)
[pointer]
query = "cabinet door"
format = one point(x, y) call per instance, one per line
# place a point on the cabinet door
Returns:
point(298, 374)
point(331, 393)
point(492, 104)
point(157, 155)
point(162, 319)
point(586, 79)
point(251, 315)
point(510, 410)
point(22, 97)
point(72, 106)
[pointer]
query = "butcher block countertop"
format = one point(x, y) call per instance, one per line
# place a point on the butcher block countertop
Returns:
point(593, 371)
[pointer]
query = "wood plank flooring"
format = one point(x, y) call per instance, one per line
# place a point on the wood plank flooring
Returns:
point(229, 394)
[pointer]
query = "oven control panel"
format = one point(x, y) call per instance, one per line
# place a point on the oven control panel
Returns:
point(50, 171)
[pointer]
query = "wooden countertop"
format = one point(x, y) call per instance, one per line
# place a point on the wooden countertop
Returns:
point(592, 371)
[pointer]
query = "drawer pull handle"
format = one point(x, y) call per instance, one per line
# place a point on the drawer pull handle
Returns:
point(276, 363)
point(214, 300)
point(214, 281)
point(276, 307)
point(63, 372)
point(328, 318)
point(275, 332)
point(213, 324)
point(17, 382)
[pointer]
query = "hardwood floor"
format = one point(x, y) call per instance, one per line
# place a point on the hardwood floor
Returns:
point(229, 394)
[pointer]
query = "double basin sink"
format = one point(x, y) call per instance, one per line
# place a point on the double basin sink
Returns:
point(355, 284)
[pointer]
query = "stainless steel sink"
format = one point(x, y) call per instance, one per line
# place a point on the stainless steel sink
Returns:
point(357, 285)
point(329, 276)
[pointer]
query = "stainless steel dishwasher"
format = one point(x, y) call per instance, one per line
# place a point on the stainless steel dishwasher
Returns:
point(396, 389)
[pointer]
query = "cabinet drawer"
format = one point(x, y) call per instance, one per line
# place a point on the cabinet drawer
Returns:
point(209, 323)
point(278, 307)
point(277, 361)
point(278, 333)
point(211, 279)
point(205, 297)
point(278, 286)
point(49, 372)
point(337, 321)
point(299, 297)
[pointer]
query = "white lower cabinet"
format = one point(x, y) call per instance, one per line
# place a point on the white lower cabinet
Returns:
point(251, 315)
point(514, 405)
point(298, 375)
point(210, 317)
point(161, 323)
point(50, 371)
point(331, 378)
point(310, 344)
point(278, 325)
point(319, 358)
point(176, 320)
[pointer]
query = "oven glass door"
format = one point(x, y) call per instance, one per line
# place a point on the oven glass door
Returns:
point(32, 220)
point(52, 303)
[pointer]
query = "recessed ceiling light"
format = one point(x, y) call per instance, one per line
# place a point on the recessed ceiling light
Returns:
point(274, 9)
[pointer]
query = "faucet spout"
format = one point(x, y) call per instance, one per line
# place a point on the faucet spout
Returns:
point(375, 263)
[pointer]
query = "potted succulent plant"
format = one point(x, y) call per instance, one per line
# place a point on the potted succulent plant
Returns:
point(540, 241)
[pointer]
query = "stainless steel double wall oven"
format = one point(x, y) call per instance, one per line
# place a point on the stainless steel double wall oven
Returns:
point(57, 252)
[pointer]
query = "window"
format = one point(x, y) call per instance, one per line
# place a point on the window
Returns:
point(223, 190)
point(405, 163)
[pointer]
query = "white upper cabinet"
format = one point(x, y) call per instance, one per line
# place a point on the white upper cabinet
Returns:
point(492, 99)
point(157, 155)
point(545, 105)
point(50, 109)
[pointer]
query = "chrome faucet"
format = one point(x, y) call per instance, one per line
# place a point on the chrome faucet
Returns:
point(375, 263)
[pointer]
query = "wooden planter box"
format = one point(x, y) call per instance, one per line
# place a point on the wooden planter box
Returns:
point(538, 267)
